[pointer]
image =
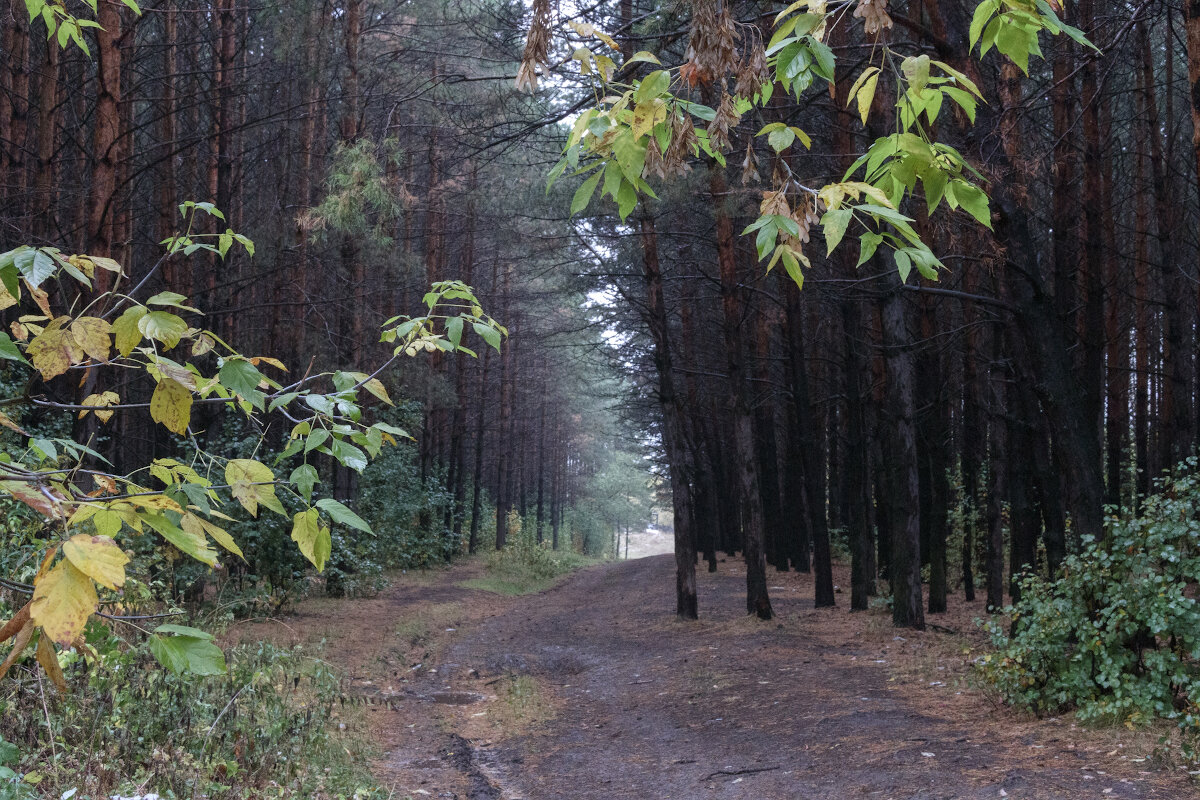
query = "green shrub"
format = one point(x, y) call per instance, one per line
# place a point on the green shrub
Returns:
point(1117, 636)
point(523, 554)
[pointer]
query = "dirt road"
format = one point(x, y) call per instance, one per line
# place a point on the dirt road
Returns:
point(640, 705)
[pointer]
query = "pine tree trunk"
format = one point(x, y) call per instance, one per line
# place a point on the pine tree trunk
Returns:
point(972, 448)
point(765, 436)
point(673, 432)
point(796, 509)
point(477, 473)
point(907, 606)
point(541, 473)
point(503, 467)
point(44, 208)
point(745, 467)
point(996, 489)
point(106, 132)
point(862, 578)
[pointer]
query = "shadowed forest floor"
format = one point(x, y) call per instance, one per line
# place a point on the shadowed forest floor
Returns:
point(593, 690)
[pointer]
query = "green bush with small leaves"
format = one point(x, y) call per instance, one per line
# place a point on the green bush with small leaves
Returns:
point(1116, 637)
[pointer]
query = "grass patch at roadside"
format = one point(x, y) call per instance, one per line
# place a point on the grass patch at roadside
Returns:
point(526, 569)
point(420, 630)
point(527, 704)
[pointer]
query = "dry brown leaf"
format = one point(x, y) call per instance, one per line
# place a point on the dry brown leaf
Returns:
point(15, 624)
point(19, 645)
point(12, 426)
point(49, 661)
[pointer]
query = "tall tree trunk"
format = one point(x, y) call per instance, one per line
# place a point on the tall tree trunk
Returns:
point(556, 490)
point(1176, 429)
point(311, 93)
point(673, 431)
point(704, 507)
point(1023, 515)
point(905, 568)
point(933, 429)
point(1116, 269)
point(105, 135)
point(477, 473)
point(1141, 413)
point(1094, 250)
point(541, 472)
point(856, 468)
point(176, 271)
point(9, 36)
point(746, 470)
point(972, 446)
point(765, 436)
point(1044, 335)
point(44, 208)
point(503, 467)
point(800, 438)
point(996, 489)
point(352, 261)
point(17, 110)
point(1191, 22)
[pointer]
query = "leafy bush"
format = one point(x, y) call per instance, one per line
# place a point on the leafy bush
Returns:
point(393, 499)
point(586, 529)
point(1117, 636)
point(522, 553)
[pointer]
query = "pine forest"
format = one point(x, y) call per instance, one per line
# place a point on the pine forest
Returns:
point(488, 399)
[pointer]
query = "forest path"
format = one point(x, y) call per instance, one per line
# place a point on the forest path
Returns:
point(629, 702)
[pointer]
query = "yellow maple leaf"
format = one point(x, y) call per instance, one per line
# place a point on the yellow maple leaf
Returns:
point(312, 537)
point(198, 526)
point(101, 399)
point(54, 350)
point(171, 405)
point(252, 483)
point(99, 558)
point(63, 599)
point(92, 334)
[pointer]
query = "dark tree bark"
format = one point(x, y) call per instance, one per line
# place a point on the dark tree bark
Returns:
point(745, 467)
point(905, 566)
point(855, 473)
point(673, 432)
point(996, 490)
point(765, 435)
point(800, 439)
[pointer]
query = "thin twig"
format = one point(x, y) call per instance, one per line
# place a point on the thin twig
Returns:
point(749, 771)
point(228, 705)
point(130, 617)
point(14, 586)
point(46, 711)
